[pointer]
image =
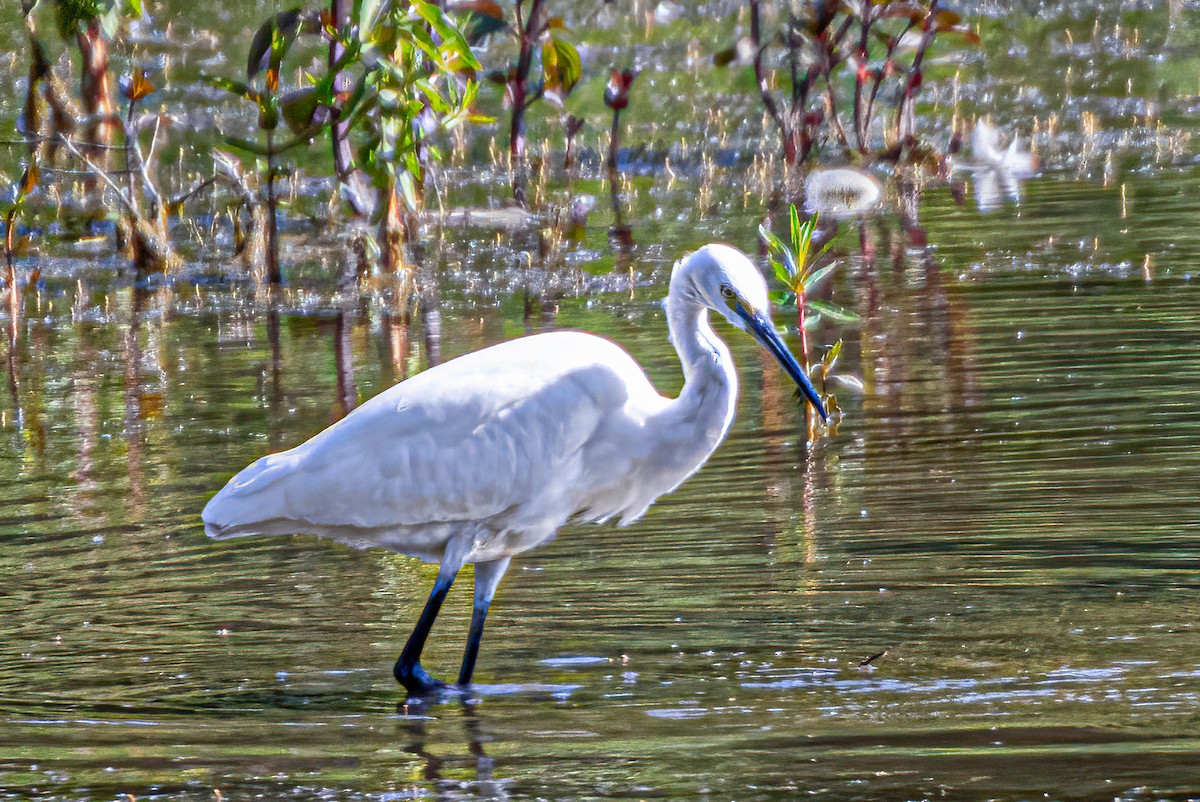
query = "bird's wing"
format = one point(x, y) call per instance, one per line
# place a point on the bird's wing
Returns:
point(468, 440)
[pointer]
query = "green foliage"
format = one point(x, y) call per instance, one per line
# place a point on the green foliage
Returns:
point(554, 66)
point(795, 265)
point(268, 49)
point(561, 65)
point(481, 19)
point(881, 43)
point(414, 79)
point(302, 110)
point(73, 16)
point(12, 202)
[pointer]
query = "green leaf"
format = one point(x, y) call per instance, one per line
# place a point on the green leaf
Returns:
point(367, 13)
point(421, 38)
point(432, 96)
point(408, 191)
point(235, 87)
point(561, 65)
point(768, 236)
point(780, 271)
point(812, 280)
point(299, 109)
point(783, 299)
point(285, 23)
point(797, 232)
point(246, 145)
point(477, 27)
point(834, 312)
point(792, 270)
point(453, 40)
point(831, 357)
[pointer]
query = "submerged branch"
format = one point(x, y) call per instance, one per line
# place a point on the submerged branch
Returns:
point(100, 172)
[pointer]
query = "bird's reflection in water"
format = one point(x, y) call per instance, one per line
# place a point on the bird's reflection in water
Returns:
point(444, 774)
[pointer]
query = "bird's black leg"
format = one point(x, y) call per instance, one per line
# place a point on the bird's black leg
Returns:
point(408, 670)
point(487, 577)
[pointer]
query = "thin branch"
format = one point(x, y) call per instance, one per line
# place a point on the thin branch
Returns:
point(208, 182)
point(38, 140)
point(66, 171)
point(143, 167)
point(154, 139)
point(103, 174)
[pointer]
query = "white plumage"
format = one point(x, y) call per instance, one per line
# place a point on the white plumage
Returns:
point(489, 454)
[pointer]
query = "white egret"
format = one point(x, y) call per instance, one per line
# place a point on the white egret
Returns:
point(488, 455)
point(998, 173)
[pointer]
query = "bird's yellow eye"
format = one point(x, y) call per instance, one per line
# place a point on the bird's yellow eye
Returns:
point(727, 291)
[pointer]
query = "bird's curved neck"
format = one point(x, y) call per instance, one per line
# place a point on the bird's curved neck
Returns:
point(710, 382)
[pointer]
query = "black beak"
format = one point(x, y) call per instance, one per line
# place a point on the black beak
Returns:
point(758, 325)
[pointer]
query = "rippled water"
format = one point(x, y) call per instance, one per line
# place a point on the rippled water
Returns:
point(1007, 513)
point(983, 586)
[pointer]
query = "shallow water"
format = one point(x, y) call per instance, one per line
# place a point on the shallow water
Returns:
point(1007, 512)
point(984, 585)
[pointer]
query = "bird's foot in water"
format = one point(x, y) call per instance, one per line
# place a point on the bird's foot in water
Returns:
point(417, 681)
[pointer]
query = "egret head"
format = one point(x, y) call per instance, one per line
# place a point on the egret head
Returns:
point(723, 278)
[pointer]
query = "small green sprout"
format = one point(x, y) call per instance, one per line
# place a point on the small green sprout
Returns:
point(795, 266)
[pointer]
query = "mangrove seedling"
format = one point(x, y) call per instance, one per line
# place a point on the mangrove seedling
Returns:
point(144, 210)
point(572, 125)
point(299, 111)
point(12, 204)
point(48, 111)
point(616, 97)
point(413, 71)
point(795, 266)
point(883, 42)
point(92, 25)
point(541, 40)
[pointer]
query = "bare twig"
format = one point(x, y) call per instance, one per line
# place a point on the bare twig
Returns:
point(39, 140)
point(126, 202)
point(142, 165)
point(200, 187)
point(153, 139)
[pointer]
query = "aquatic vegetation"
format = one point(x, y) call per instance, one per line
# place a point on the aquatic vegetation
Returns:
point(547, 67)
point(413, 79)
point(402, 75)
point(268, 49)
point(616, 97)
point(11, 205)
point(572, 125)
point(93, 24)
point(142, 228)
point(882, 42)
point(795, 266)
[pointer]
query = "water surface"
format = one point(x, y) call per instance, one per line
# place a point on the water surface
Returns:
point(1005, 520)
